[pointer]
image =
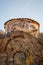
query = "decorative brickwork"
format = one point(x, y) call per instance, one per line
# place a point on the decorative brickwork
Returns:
point(19, 47)
point(23, 24)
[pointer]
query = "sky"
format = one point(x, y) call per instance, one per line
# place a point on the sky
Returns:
point(10, 9)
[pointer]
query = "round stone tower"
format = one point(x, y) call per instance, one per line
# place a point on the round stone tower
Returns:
point(23, 24)
point(20, 46)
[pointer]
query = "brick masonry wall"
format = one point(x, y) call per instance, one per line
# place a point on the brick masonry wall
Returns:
point(26, 25)
point(20, 48)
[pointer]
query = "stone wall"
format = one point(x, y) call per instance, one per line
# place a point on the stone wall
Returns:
point(20, 48)
point(23, 24)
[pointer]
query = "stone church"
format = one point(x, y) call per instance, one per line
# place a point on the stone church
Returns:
point(19, 44)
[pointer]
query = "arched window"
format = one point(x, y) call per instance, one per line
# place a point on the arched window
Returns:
point(19, 59)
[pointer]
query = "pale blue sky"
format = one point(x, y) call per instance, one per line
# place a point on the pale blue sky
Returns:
point(21, 8)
